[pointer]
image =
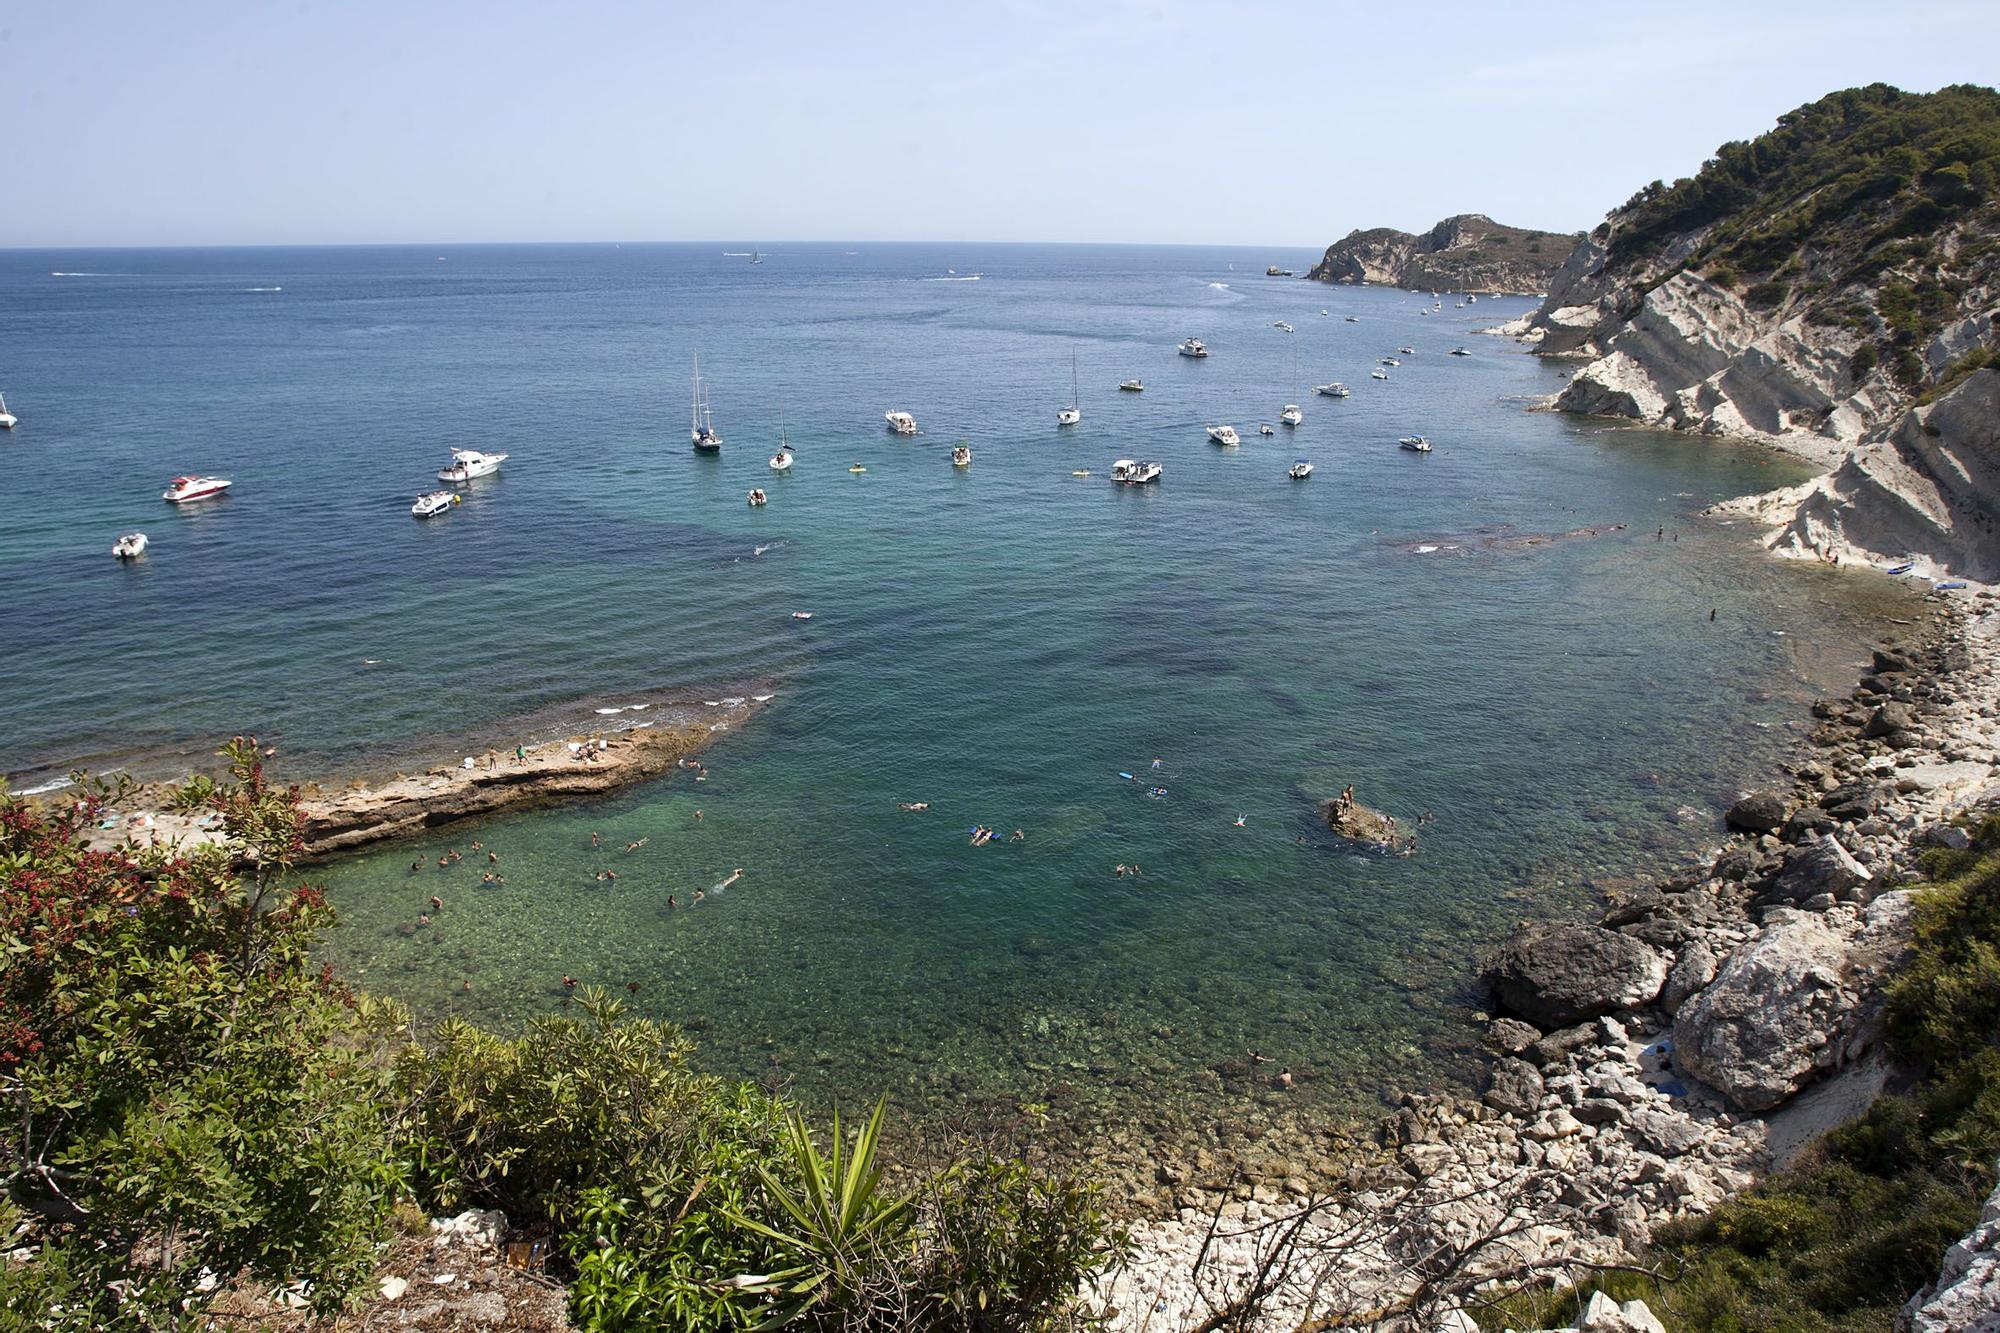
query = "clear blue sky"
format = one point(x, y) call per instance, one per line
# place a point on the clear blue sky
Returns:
point(189, 122)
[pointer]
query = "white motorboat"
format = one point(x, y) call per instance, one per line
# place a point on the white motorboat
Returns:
point(1134, 473)
point(1471, 298)
point(782, 460)
point(1460, 351)
point(701, 421)
point(757, 497)
point(1300, 470)
point(1132, 386)
point(1378, 374)
point(1265, 429)
point(184, 489)
point(1193, 347)
point(433, 502)
point(1353, 319)
point(961, 455)
point(1224, 435)
point(1416, 444)
point(469, 463)
point(7, 419)
point(1387, 361)
point(1069, 416)
point(901, 422)
point(130, 546)
point(1282, 327)
point(1407, 351)
point(1333, 390)
point(1322, 312)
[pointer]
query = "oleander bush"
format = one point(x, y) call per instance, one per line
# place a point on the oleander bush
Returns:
point(192, 1102)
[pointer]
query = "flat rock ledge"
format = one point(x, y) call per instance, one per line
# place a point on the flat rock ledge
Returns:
point(1744, 1020)
point(579, 766)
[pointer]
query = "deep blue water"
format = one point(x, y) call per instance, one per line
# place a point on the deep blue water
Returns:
point(999, 641)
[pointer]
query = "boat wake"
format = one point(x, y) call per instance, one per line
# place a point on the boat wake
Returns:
point(1219, 286)
point(263, 289)
point(767, 546)
point(958, 277)
point(83, 275)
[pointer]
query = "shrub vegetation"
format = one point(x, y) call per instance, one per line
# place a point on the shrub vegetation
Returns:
point(191, 1102)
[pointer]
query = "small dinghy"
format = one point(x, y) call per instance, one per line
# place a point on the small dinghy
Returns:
point(802, 615)
point(1300, 470)
point(961, 455)
point(857, 468)
point(133, 545)
point(433, 502)
point(757, 497)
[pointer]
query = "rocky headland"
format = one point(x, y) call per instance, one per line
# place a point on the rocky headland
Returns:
point(1648, 1064)
point(1832, 288)
point(1467, 253)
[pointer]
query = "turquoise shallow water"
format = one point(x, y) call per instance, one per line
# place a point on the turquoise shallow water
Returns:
point(1000, 641)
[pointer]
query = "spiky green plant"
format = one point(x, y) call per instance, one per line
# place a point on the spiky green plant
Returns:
point(835, 1218)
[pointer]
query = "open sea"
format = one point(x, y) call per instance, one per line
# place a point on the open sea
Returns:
point(1494, 633)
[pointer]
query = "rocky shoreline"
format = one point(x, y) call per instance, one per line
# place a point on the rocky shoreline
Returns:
point(483, 783)
point(1647, 1065)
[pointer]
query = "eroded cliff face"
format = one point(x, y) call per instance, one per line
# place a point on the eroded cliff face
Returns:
point(1929, 490)
point(1467, 253)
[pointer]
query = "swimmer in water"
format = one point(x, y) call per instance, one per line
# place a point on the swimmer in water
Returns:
point(1156, 763)
point(593, 838)
point(734, 875)
point(437, 903)
point(698, 896)
point(671, 904)
point(1020, 835)
point(1239, 821)
point(569, 982)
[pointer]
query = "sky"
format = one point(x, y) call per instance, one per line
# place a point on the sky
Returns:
point(1279, 123)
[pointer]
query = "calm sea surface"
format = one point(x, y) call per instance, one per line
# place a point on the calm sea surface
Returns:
point(1465, 632)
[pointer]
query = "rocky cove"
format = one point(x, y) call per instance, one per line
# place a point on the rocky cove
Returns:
point(1646, 1064)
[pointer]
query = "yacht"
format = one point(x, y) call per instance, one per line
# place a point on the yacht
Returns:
point(901, 422)
point(7, 419)
point(1407, 351)
point(1353, 319)
point(1333, 390)
point(184, 489)
point(1300, 469)
point(130, 546)
point(1416, 444)
point(1069, 416)
point(701, 422)
point(757, 497)
point(469, 463)
point(1133, 386)
point(1193, 347)
point(1378, 374)
point(433, 502)
point(1387, 361)
point(1460, 351)
point(1282, 327)
point(1133, 473)
point(1224, 435)
point(961, 455)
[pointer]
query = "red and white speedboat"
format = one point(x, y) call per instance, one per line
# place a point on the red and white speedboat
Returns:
point(194, 488)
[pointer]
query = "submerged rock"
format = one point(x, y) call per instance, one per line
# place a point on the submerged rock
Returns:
point(1559, 974)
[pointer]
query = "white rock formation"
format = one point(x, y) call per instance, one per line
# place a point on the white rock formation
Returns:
point(1966, 1296)
point(1931, 490)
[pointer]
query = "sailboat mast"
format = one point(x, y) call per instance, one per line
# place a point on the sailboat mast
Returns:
point(1072, 378)
point(694, 411)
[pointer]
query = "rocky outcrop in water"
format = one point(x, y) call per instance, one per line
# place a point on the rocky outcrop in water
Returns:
point(1467, 253)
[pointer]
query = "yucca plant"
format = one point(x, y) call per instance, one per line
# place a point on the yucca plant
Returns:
point(837, 1215)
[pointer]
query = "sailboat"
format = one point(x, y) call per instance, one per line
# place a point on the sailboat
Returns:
point(7, 419)
point(1069, 416)
point(701, 422)
point(782, 460)
point(1292, 416)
